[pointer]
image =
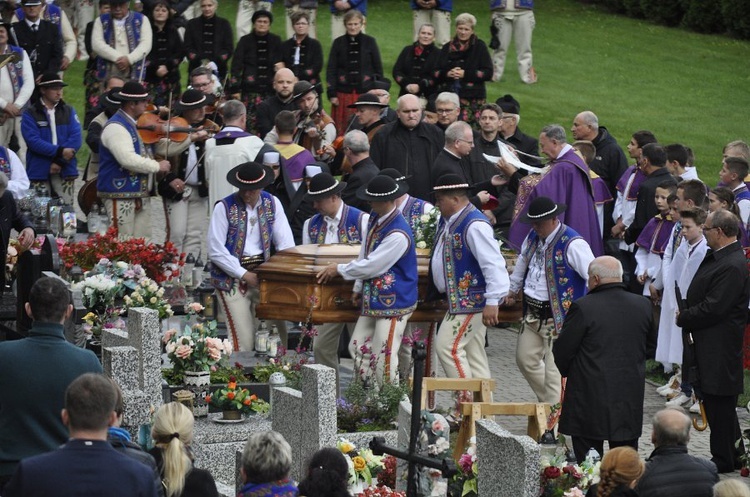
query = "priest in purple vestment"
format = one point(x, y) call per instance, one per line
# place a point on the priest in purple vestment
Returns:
point(566, 180)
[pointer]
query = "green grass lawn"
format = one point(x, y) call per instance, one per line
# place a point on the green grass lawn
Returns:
point(685, 87)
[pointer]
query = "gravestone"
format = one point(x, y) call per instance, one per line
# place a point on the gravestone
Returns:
point(507, 464)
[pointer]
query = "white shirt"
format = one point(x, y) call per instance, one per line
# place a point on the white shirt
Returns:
point(377, 262)
point(219, 160)
point(332, 227)
point(482, 244)
point(578, 254)
point(625, 209)
point(281, 237)
point(104, 50)
point(18, 180)
point(6, 87)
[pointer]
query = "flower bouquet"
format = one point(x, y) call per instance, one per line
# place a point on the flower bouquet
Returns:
point(464, 483)
point(150, 295)
point(237, 400)
point(425, 229)
point(196, 348)
point(363, 464)
point(560, 478)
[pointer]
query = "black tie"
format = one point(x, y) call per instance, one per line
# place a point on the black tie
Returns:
point(34, 27)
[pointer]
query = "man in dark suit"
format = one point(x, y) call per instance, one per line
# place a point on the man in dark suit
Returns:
point(87, 464)
point(602, 351)
point(41, 39)
point(512, 134)
point(32, 397)
point(363, 169)
point(714, 319)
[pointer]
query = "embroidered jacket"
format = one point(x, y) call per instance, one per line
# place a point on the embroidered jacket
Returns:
point(133, 23)
point(114, 181)
point(393, 293)
point(349, 226)
point(465, 284)
point(563, 283)
point(237, 232)
point(15, 69)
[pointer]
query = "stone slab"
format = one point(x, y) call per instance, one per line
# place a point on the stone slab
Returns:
point(507, 464)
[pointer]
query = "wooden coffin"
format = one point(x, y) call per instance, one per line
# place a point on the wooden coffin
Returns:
point(289, 291)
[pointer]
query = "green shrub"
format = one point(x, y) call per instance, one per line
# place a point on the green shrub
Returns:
point(614, 5)
point(703, 16)
point(633, 8)
point(667, 12)
point(737, 17)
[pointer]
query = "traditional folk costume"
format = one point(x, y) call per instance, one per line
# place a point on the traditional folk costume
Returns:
point(552, 273)
point(651, 244)
point(186, 211)
point(349, 225)
point(467, 266)
point(567, 180)
point(386, 277)
point(131, 37)
point(240, 238)
point(16, 87)
point(13, 168)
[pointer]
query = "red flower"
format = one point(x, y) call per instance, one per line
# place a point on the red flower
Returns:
point(230, 395)
point(552, 472)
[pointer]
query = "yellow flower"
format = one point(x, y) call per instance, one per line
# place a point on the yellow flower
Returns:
point(359, 463)
point(346, 447)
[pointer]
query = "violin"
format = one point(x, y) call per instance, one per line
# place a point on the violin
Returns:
point(152, 128)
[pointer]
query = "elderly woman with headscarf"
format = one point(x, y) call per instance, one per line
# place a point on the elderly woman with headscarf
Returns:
point(465, 66)
point(266, 461)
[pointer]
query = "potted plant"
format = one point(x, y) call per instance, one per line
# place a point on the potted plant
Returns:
point(236, 401)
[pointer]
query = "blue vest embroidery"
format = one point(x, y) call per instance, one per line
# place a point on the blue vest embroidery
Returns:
point(133, 23)
point(413, 210)
point(349, 226)
point(564, 284)
point(113, 180)
point(465, 284)
point(393, 293)
point(4, 161)
point(237, 232)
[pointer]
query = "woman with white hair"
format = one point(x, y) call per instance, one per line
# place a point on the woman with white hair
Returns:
point(465, 67)
point(266, 461)
point(173, 432)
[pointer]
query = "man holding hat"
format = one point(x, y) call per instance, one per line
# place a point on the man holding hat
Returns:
point(184, 189)
point(385, 275)
point(335, 222)
point(467, 266)
point(39, 38)
point(125, 168)
point(552, 271)
point(16, 87)
point(121, 40)
point(245, 228)
point(52, 133)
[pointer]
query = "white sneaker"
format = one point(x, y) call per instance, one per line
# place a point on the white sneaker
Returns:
point(678, 401)
point(695, 408)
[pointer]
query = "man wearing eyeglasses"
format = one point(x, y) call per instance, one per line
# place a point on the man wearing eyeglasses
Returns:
point(448, 108)
point(459, 141)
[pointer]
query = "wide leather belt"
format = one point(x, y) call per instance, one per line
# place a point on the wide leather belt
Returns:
point(251, 262)
point(539, 309)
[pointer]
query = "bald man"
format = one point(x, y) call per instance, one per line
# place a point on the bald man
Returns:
point(602, 351)
point(268, 109)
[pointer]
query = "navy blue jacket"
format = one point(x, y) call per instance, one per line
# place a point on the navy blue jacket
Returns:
point(41, 152)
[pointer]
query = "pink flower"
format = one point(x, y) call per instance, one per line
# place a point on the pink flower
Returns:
point(552, 472)
point(183, 351)
point(466, 461)
point(168, 335)
point(195, 307)
point(228, 348)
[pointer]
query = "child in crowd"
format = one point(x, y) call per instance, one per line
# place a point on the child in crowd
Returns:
point(655, 237)
point(677, 162)
point(732, 175)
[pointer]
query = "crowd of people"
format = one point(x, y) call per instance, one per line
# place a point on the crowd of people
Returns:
point(260, 167)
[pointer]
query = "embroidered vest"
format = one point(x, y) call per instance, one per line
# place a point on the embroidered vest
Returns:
point(564, 284)
point(133, 23)
point(349, 226)
point(393, 293)
point(465, 284)
point(237, 232)
point(5, 162)
point(15, 69)
point(412, 211)
point(114, 181)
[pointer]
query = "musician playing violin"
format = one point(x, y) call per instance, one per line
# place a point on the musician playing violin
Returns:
point(184, 189)
point(125, 166)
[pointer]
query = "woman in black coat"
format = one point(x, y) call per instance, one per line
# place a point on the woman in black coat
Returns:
point(354, 62)
point(415, 67)
point(162, 75)
point(209, 37)
point(465, 66)
point(301, 53)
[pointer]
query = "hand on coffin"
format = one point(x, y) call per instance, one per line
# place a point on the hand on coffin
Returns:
point(328, 273)
point(251, 279)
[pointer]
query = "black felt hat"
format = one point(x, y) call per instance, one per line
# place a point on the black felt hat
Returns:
point(380, 189)
point(397, 175)
point(378, 83)
point(250, 176)
point(448, 182)
point(367, 99)
point(302, 88)
point(542, 208)
point(132, 91)
point(509, 104)
point(262, 13)
point(193, 99)
point(324, 185)
point(51, 80)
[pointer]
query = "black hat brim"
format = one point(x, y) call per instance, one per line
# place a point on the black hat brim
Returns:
point(362, 194)
point(264, 182)
point(559, 209)
point(317, 196)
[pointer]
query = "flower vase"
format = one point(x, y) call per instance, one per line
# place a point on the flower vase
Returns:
point(198, 382)
point(231, 415)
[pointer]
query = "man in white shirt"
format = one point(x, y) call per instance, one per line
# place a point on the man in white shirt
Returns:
point(550, 284)
point(335, 222)
point(121, 39)
point(244, 228)
point(229, 147)
point(468, 268)
point(16, 87)
point(385, 275)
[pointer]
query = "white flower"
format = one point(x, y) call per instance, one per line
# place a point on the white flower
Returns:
point(425, 218)
point(422, 245)
point(121, 264)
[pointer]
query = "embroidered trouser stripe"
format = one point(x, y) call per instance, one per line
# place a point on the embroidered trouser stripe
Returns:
point(230, 320)
point(382, 336)
point(460, 346)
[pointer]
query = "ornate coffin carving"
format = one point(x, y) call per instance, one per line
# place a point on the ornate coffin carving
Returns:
point(289, 291)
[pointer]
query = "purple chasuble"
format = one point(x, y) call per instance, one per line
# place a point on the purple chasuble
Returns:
point(568, 182)
point(601, 191)
point(655, 236)
point(623, 182)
